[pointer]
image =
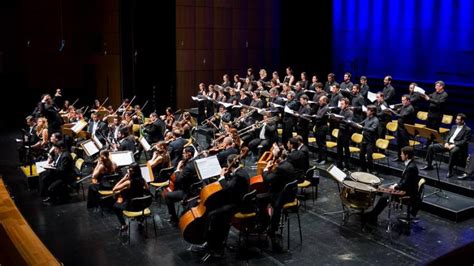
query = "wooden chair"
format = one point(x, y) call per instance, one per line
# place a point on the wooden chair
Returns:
point(446, 120)
point(392, 128)
point(381, 144)
point(423, 117)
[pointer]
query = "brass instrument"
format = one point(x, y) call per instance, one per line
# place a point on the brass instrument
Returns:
point(237, 120)
point(257, 125)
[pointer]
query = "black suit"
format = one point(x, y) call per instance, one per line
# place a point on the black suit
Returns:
point(127, 144)
point(51, 113)
point(409, 184)
point(270, 135)
point(51, 179)
point(299, 158)
point(222, 156)
point(101, 131)
point(461, 141)
point(277, 179)
point(175, 149)
point(155, 131)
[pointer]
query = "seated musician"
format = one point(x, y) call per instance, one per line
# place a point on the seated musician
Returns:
point(265, 136)
point(185, 176)
point(229, 148)
point(154, 130)
point(408, 183)
point(138, 117)
point(457, 143)
point(29, 138)
point(132, 185)
point(160, 160)
point(125, 142)
point(105, 166)
point(298, 155)
point(60, 173)
point(98, 128)
point(234, 181)
point(277, 174)
point(176, 146)
point(42, 137)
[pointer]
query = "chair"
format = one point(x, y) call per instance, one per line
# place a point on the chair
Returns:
point(164, 179)
point(310, 180)
point(78, 169)
point(292, 206)
point(136, 129)
point(331, 144)
point(392, 128)
point(245, 219)
point(138, 209)
point(107, 183)
point(446, 120)
point(422, 116)
point(383, 145)
point(74, 156)
point(413, 205)
point(357, 139)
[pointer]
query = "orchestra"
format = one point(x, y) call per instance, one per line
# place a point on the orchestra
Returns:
point(244, 118)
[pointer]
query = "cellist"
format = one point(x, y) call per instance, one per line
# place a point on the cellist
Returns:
point(180, 184)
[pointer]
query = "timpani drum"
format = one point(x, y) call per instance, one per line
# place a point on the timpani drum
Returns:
point(366, 178)
point(357, 195)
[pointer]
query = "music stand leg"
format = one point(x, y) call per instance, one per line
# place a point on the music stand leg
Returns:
point(342, 205)
point(438, 191)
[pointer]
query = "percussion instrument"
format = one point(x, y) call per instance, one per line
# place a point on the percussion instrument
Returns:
point(391, 191)
point(357, 195)
point(366, 178)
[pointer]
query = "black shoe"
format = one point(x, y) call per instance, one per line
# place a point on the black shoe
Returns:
point(48, 199)
point(449, 174)
point(463, 176)
point(322, 162)
point(427, 167)
point(173, 220)
point(123, 228)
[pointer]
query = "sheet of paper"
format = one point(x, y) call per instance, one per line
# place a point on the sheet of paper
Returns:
point(419, 90)
point(89, 147)
point(196, 99)
point(79, 126)
point(147, 174)
point(97, 142)
point(208, 167)
point(364, 108)
point(40, 166)
point(371, 96)
point(122, 158)
point(383, 107)
point(288, 110)
point(277, 105)
point(226, 105)
point(336, 173)
point(146, 146)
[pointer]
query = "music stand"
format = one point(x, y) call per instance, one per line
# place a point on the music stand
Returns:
point(207, 167)
point(433, 136)
point(412, 130)
point(337, 174)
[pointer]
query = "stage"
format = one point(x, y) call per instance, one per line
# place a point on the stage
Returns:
point(77, 236)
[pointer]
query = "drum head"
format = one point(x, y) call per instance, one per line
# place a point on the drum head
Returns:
point(365, 178)
point(358, 186)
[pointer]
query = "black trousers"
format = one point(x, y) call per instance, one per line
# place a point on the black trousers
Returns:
point(403, 139)
point(171, 198)
point(343, 151)
point(321, 134)
point(219, 226)
point(366, 149)
point(439, 148)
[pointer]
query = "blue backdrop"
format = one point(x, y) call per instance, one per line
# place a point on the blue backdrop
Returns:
point(412, 40)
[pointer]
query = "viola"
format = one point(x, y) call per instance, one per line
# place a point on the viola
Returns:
point(257, 183)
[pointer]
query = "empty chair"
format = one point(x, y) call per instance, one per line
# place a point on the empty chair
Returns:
point(138, 210)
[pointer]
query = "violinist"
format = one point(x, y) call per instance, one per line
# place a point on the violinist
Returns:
point(169, 118)
point(228, 149)
point(185, 176)
point(277, 174)
point(176, 146)
point(105, 166)
point(97, 127)
point(154, 130)
point(125, 141)
point(132, 185)
point(138, 116)
point(234, 181)
point(186, 124)
point(160, 159)
point(114, 129)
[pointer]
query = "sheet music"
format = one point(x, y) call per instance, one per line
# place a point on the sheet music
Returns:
point(79, 126)
point(310, 91)
point(364, 108)
point(277, 105)
point(337, 173)
point(97, 142)
point(147, 174)
point(146, 146)
point(371, 96)
point(208, 167)
point(196, 99)
point(420, 90)
point(122, 158)
point(288, 110)
point(89, 147)
point(40, 166)
point(311, 102)
point(226, 105)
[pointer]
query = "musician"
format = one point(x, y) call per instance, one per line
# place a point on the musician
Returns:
point(388, 90)
point(125, 141)
point(302, 128)
point(369, 135)
point(98, 128)
point(322, 128)
point(132, 185)
point(406, 115)
point(42, 137)
point(226, 81)
point(276, 78)
point(298, 90)
point(263, 76)
point(212, 95)
point(221, 97)
point(319, 93)
point(298, 156)
point(346, 84)
point(289, 78)
point(202, 105)
point(277, 174)
point(47, 109)
point(138, 116)
point(114, 129)
point(364, 88)
point(160, 159)
point(237, 83)
point(185, 176)
point(244, 99)
point(127, 121)
point(330, 82)
point(247, 86)
point(105, 166)
point(234, 181)
point(53, 181)
point(436, 109)
point(228, 149)
point(314, 81)
point(124, 107)
point(383, 114)
point(415, 97)
point(79, 116)
point(154, 130)
point(250, 74)
point(168, 118)
point(456, 144)
point(335, 98)
point(275, 98)
point(29, 138)
point(356, 104)
point(344, 135)
point(65, 107)
point(265, 137)
point(175, 147)
point(304, 82)
point(408, 183)
point(289, 120)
